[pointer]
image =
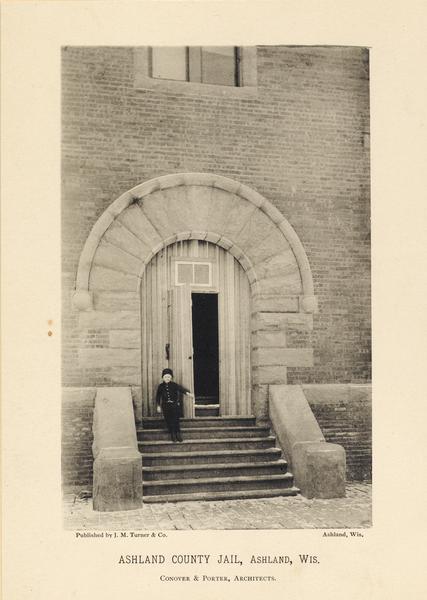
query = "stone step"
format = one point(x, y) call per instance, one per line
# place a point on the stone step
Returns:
point(191, 471)
point(158, 422)
point(203, 400)
point(207, 444)
point(192, 433)
point(227, 495)
point(209, 457)
point(209, 410)
point(216, 484)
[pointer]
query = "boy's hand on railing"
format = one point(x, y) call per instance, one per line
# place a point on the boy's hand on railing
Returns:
point(158, 409)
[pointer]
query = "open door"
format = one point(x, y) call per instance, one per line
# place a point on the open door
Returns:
point(181, 341)
point(206, 348)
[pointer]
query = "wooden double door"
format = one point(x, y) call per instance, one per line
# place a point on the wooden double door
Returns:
point(195, 300)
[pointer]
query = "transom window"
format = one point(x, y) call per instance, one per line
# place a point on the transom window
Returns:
point(218, 65)
point(193, 273)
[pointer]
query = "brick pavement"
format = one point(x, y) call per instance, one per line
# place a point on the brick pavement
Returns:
point(295, 512)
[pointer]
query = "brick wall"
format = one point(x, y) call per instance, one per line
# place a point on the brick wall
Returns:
point(344, 415)
point(301, 141)
point(77, 438)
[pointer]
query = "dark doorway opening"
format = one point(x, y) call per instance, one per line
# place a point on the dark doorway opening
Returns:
point(205, 348)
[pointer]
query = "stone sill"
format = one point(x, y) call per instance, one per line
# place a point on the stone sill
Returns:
point(147, 84)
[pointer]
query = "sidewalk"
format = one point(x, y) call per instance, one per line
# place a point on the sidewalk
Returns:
point(295, 512)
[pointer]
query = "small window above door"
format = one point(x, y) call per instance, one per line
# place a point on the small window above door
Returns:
point(218, 65)
point(221, 71)
point(193, 273)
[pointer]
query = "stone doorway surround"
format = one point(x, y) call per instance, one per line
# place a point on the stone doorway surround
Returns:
point(201, 206)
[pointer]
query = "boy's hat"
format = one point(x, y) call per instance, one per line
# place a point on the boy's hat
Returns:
point(167, 372)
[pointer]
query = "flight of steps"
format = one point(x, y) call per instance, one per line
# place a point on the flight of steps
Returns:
point(220, 458)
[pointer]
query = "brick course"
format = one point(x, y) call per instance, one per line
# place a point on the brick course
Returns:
point(344, 415)
point(77, 438)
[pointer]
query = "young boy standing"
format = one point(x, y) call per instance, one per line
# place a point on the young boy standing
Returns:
point(168, 401)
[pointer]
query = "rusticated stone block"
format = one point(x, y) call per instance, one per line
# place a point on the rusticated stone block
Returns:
point(289, 284)
point(257, 228)
point(102, 278)
point(120, 236)
point(125, 375)
point(124, 338)
point(275, 243)
point(109, 357)
point(116, 301)
point(112, 257)
point(189, 207)
point(228, 213)
point(117, 480)
point(267, 321)
point(137, 222)
point(275, 303)
point(259, 402)
point(299, 321)
point(319, 469)
point(289, 357)
point(96, 319)
point(281, 321)
point(269, 374)
point(278, 265)
point(268, 339)
point(155, 208)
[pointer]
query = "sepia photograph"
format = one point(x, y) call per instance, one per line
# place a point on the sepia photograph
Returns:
point(216, 291)
point(213, 299)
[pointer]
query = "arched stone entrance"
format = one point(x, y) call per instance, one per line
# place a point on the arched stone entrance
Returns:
point(218, 210)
